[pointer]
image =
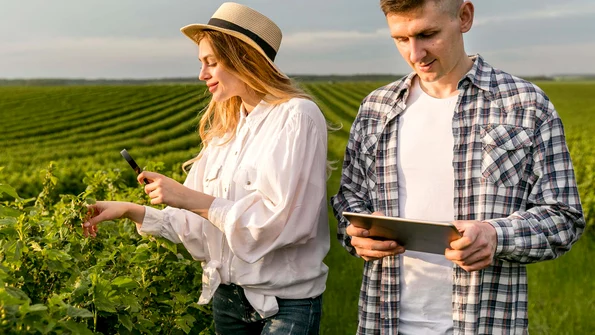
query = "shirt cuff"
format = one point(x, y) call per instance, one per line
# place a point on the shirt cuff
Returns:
point(505, 233)
point(152, 222)
point(218, 212)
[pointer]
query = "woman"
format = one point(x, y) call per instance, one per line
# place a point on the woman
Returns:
point(253, 206)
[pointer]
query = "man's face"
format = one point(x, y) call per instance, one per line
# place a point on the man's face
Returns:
point(430, 39)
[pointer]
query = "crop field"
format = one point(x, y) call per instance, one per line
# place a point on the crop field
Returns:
point(59, 150)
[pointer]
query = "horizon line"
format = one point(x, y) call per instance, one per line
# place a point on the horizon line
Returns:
point(290, 75)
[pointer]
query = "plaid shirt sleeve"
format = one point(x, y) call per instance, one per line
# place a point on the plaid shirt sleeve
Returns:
point(353, 192)
point(553, 220)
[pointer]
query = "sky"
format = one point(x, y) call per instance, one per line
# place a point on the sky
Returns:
point(117, 39)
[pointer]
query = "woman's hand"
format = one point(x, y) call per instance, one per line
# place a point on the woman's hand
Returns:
point(164, 190)
point(110, 210)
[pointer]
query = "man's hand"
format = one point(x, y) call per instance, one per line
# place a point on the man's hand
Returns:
point(475, 250)
point(370, 249)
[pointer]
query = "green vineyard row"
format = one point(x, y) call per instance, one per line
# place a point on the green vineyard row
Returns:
point(59, 150)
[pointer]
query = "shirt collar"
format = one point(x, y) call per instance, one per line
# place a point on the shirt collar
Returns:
point(256, 116)
point(481, 75)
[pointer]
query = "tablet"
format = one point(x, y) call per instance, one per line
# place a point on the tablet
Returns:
point(417, 235)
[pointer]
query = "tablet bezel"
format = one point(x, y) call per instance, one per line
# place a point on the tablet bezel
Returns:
point(416, 235)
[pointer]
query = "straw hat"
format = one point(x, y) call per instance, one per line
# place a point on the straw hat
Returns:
point(246, 24)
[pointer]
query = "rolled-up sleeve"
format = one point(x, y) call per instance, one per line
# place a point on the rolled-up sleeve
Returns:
point(179, 225)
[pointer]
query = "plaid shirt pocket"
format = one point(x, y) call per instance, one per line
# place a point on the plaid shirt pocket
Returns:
point(505, 153)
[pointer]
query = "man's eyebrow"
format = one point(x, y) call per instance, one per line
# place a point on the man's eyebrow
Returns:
point(418, 33)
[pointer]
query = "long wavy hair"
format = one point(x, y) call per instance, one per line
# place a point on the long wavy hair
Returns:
point(244, 61)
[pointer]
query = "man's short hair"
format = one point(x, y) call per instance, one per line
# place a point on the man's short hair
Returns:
point(404, 6)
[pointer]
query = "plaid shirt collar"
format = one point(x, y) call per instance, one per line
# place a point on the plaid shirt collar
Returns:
point(477, 76)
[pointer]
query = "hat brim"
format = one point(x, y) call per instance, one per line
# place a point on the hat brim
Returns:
point(192, 29)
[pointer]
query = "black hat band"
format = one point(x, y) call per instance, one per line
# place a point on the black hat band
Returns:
point(267, 48)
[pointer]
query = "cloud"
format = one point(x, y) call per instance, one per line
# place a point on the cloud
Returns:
point(549, 12)
point(544, 59)
point(333, 39)
point(100, 57)
point(119, 48)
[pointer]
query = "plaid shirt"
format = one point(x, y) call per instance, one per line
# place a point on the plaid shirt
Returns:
point(512, 169)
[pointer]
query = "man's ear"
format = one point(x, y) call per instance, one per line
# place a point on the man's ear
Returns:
point(466, 13)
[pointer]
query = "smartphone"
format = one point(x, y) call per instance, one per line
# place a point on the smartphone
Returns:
point(132, 163)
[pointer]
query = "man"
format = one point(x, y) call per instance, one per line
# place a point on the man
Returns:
point(456, 140)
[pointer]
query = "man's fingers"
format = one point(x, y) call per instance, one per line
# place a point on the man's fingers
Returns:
point(461, 243)
point(356, 231)
point(372, 244)
point(373, 255)
point(470, 260)
point(370, 249)
point(470, 235)
point(475, 266)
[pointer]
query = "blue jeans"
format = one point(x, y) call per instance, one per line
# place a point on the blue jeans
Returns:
point(234, 315)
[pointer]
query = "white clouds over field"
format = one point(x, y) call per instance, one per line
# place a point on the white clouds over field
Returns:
point(141, 39)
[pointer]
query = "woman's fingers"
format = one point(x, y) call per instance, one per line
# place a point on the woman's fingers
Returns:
point(150, 176)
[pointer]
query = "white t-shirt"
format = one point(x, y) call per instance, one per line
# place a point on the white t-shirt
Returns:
point(268, 226)
point(426, 191)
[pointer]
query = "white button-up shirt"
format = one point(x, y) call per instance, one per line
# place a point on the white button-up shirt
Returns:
point(268, 228)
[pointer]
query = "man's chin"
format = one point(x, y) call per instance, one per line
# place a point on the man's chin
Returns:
point(428, 77)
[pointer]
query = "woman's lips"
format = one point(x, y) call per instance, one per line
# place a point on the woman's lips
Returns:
point(213, 87)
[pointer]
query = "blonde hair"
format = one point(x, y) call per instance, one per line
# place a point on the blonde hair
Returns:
point(250, 66)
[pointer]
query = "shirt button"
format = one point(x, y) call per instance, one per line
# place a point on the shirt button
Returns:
point(225, 189)
point(235, 153)
point(248, 182)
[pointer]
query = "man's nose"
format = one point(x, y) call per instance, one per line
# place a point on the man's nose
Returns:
point(417, 51)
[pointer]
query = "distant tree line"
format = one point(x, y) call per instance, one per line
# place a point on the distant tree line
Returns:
point(193, 80)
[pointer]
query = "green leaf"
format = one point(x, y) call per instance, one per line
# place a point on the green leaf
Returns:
point(35, 246)
point(142, 254)
point(57, 255)
point(13, 250)
point(37, 308)
point(16, 293)
point(103, 304)
point(169, 245)
point(8, 221)
point(203, 308)
point(76, 328)
point(125, 283)
point(9, 190)
point(125, 321)
point(8, 212)
point(144, 323)
point(185, 322)
point(81, 288)
point(78, 312)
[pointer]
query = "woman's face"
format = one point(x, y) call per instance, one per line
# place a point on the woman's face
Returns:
point(222, 83)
